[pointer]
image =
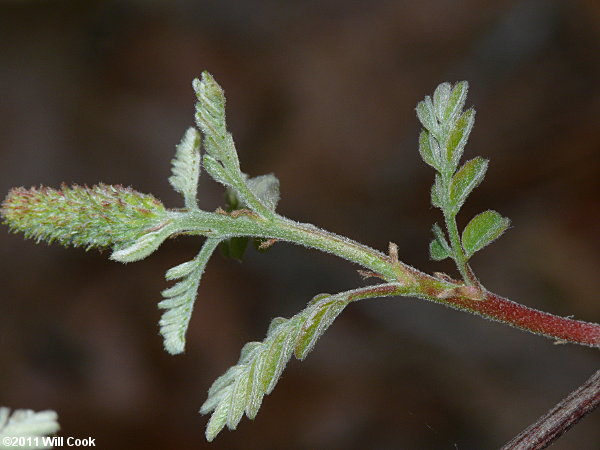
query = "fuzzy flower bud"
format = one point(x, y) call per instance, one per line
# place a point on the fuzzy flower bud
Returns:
point(91, 217)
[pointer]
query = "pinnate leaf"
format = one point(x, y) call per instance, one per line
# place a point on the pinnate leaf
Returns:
point(244, 385)
point(482, 230)
point(210, 118)
point(179, 299)
point(221, 159)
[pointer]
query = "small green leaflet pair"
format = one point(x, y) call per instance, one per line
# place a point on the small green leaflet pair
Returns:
point(441, 145)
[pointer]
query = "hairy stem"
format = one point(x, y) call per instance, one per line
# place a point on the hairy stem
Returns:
point(459, 254)
point(559, 419)
point(456, 295)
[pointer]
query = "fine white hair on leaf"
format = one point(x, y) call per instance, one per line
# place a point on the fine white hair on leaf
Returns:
point(179, 299)
point(186, 167)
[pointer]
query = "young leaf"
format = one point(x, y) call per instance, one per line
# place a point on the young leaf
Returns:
point(179, 299)
point(142, 247)
point(439, 248)
point(210, 117)
point(426, 115)
point(455, 102)
point(437, 192)
point(186, 168)
point(440, 100)
point(465, 180)
point(457, 139)
point(426, 150)
point(482, 230)
point(221, 160)
point(244, 385)
point(266, 189)
point(25, 423)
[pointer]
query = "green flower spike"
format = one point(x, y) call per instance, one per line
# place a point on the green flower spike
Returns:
point(100, 216)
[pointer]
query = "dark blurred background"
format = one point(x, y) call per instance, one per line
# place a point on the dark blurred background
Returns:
point(322, 93)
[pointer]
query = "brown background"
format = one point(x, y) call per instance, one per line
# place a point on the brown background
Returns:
point(322, 93)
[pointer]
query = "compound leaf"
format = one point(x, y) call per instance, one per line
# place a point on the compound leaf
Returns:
point(243, 386)
point(179, 299)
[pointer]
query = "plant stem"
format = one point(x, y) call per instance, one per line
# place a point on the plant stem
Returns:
point(280, 228)
point(454, 294)
point(559, 419)
point(492, 306)
point(459, 254)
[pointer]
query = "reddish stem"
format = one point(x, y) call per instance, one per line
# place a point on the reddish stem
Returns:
point(500, 309)
point(546, 324)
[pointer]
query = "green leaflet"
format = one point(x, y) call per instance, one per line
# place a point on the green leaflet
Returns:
point(244, 385)
point(142, 247)
point(455, 102)
point(426, 115)
point(429, 150)
point(457, 138)
point(179, 299)
point(321, 317)
point(441, 96)
point(186, 168)
point(482, 230)
point(465, 180)
point(439, 248)
point(437, 192)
